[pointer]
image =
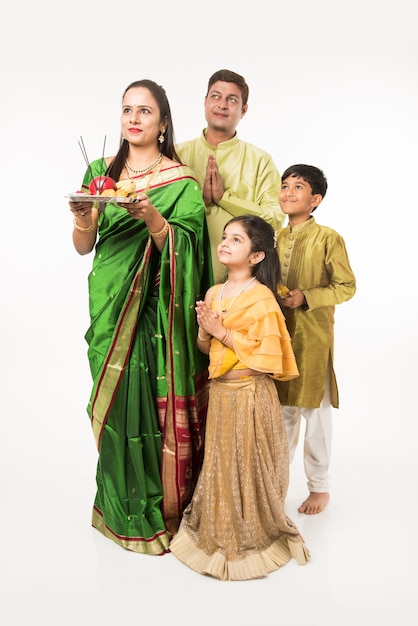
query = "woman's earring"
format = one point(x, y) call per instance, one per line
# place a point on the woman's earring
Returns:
point(161, 137)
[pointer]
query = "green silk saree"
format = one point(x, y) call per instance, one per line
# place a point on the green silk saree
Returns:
point(149, 397)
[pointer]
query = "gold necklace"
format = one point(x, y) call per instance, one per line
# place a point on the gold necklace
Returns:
point(238, 294)
point(145, 169)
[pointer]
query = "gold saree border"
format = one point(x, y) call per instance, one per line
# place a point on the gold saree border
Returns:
point(156, 546)
point(118, 354)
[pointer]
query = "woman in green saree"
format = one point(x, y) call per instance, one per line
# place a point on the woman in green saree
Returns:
point(151, 263)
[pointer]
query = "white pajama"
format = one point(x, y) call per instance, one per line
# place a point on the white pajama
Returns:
point(317, 440)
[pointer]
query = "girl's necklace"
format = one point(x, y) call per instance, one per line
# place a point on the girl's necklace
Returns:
point(238, 294)
point(145, 169)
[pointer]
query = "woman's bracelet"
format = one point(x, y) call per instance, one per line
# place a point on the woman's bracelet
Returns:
point(225, 337)
point(203, 336)
point(162, 232)
point(81, 229)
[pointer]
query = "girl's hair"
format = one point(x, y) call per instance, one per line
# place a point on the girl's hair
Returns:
point(263, 238)
point(167, 147)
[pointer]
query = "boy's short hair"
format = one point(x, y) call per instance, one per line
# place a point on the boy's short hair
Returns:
point(228, 76)
point(311, 174)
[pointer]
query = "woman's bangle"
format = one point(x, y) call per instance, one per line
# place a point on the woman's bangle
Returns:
point(162, 232)
point(81, 229)
point(225, 337)
point(203, 336)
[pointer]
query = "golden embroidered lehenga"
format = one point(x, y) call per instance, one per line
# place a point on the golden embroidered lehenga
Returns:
point(235, 527)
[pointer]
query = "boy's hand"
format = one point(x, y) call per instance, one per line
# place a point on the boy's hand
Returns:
point(293, 300)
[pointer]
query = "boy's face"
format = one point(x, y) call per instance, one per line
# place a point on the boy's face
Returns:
point(297, 200)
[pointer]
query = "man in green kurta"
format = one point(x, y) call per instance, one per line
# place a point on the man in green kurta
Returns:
point(316, 270)
point(236, 177)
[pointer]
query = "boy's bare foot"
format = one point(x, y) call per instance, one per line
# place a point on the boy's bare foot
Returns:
point(314, 503)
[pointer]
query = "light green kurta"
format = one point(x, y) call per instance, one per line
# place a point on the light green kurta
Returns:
point(251, 180)
point(313, 259)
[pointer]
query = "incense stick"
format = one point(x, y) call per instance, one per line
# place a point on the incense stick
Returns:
point(84, 153)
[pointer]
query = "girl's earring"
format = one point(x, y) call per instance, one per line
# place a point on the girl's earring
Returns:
point(161, 137)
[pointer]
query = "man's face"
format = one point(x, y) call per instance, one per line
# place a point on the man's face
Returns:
point(223, 107)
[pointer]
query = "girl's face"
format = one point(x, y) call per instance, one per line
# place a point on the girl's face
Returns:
point(235, 247)
point(140, 118)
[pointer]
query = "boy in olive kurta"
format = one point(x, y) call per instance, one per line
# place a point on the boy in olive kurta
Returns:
point(317, 274)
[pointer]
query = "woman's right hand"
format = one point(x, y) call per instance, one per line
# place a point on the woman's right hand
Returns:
point(85, 226)
point(81, 209)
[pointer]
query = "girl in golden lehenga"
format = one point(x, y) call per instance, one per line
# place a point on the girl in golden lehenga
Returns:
point(235, 527)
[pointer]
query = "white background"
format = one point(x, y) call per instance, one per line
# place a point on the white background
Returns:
point(331, 84)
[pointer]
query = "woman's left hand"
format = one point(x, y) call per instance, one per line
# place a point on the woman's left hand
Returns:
point(143, 209)
point(140, 209)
